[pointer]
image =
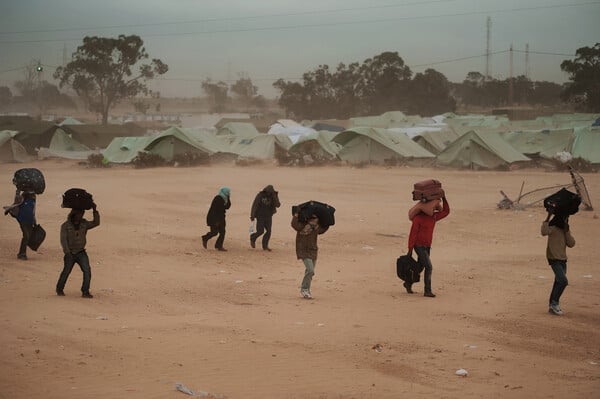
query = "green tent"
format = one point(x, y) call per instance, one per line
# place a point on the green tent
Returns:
point(10, 149)
point(540, 143)
point(436, 141)
point(480, 150)
point(378, 146)
point(124, 149)
point(61, 141)
point(175, 141)
point(238, 129)
point(586, 144)
point(262, 146)
point(317, 145)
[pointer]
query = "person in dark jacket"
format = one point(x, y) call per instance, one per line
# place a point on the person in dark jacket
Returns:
point(559, 238)
point(73, 238)
point(306, 249)
point(263, 208)
point(23, 209)
point(215, 218)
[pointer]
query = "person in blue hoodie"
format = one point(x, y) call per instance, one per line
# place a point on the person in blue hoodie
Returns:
point(23, 209)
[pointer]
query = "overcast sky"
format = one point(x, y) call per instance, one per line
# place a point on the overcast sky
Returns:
point(271, 39)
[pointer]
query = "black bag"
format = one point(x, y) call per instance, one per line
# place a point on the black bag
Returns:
point(77, 198)
point(38, 235)
point(562, 202)
point(408, 269)
point(323, 211)
point(29, 179)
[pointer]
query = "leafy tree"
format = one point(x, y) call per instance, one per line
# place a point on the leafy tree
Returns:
point(431, 94)
point(5, 96)
point(384, 83)
point(244, 89)
point(345, 84)
point(545, 93)
point(217, 94)
point(101, 71)
point(293, 98)
point(319, 93)
point(584, 74)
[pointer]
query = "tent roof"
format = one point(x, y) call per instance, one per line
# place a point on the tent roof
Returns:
point(484, 149)
point(586, 144)
point(545, 143)
point(323, 139)
point(242, 129)
point(398, 143)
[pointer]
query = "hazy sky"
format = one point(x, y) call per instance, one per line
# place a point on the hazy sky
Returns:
point(271, 39)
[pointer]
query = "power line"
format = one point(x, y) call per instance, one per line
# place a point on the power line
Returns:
point(458, 59)
point(327, 11)
point(331, 24)
point(545, 53)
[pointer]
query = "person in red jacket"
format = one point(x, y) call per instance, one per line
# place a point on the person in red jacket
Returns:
point(424, 216)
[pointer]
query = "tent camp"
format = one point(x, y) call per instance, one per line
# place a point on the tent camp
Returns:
point(383, 121)
point(379, 146)
point(435, 141)
point(586, 144)
point(100, 136)
point(124, 149)
point(31, 133)
point(261, 146)
point(540, 143)
point(10, 149)
point(238, 129)
point(316, 147)
point(480, 150)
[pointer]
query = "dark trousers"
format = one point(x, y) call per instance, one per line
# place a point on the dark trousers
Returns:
point(26, 229)
point(83, 261)
point(559, 267)
point(425, 261)
point(263, 226)
point(214, 230)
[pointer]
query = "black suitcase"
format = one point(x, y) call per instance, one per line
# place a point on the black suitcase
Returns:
point(323, 211)
point(38, 235)
point(77, 198)
point(29, 179)
point(563, 202)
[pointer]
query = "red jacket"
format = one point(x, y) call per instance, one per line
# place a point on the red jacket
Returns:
point(421, 231)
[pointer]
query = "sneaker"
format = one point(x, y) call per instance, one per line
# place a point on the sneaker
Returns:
point(555, 309)
point(22, 256)
point(87, 295)
point(305, 294)
point(60, 293)
point(429, 294)
point(408, 288)
point(204, 241)
point(252, 243)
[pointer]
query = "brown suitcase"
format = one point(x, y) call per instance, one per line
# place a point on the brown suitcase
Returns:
point(427, 190)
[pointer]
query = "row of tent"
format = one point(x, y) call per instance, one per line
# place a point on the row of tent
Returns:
point(449, 140)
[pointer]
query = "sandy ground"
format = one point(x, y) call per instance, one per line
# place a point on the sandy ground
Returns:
point(233, 324)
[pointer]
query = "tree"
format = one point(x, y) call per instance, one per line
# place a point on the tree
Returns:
point(5, 96)
point(217, 94)
point(431, 94)
point(584, 74)
point(545, 93)
point(384, 83)
point(292, 98)
point(244, 89)
point(101, 71)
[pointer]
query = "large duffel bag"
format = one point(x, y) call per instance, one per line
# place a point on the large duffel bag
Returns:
point(323, 211)
point(38, 235)
point(408, 269)
point(562, 202)
point(29, 179)
point(77, 198)
point(427, 190)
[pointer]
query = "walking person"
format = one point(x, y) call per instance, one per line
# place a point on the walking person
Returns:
point(306, 249)
point(424, 217)
point(23, 209)
point(73, 238)
point(263, 208)
point(559, 238)
point(215, 218)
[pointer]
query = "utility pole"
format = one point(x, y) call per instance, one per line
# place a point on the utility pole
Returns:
point(39, 69)
point(527, 60)
point(510, 78)
point(487, 49)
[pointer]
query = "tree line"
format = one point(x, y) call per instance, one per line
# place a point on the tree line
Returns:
point(106, 71)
